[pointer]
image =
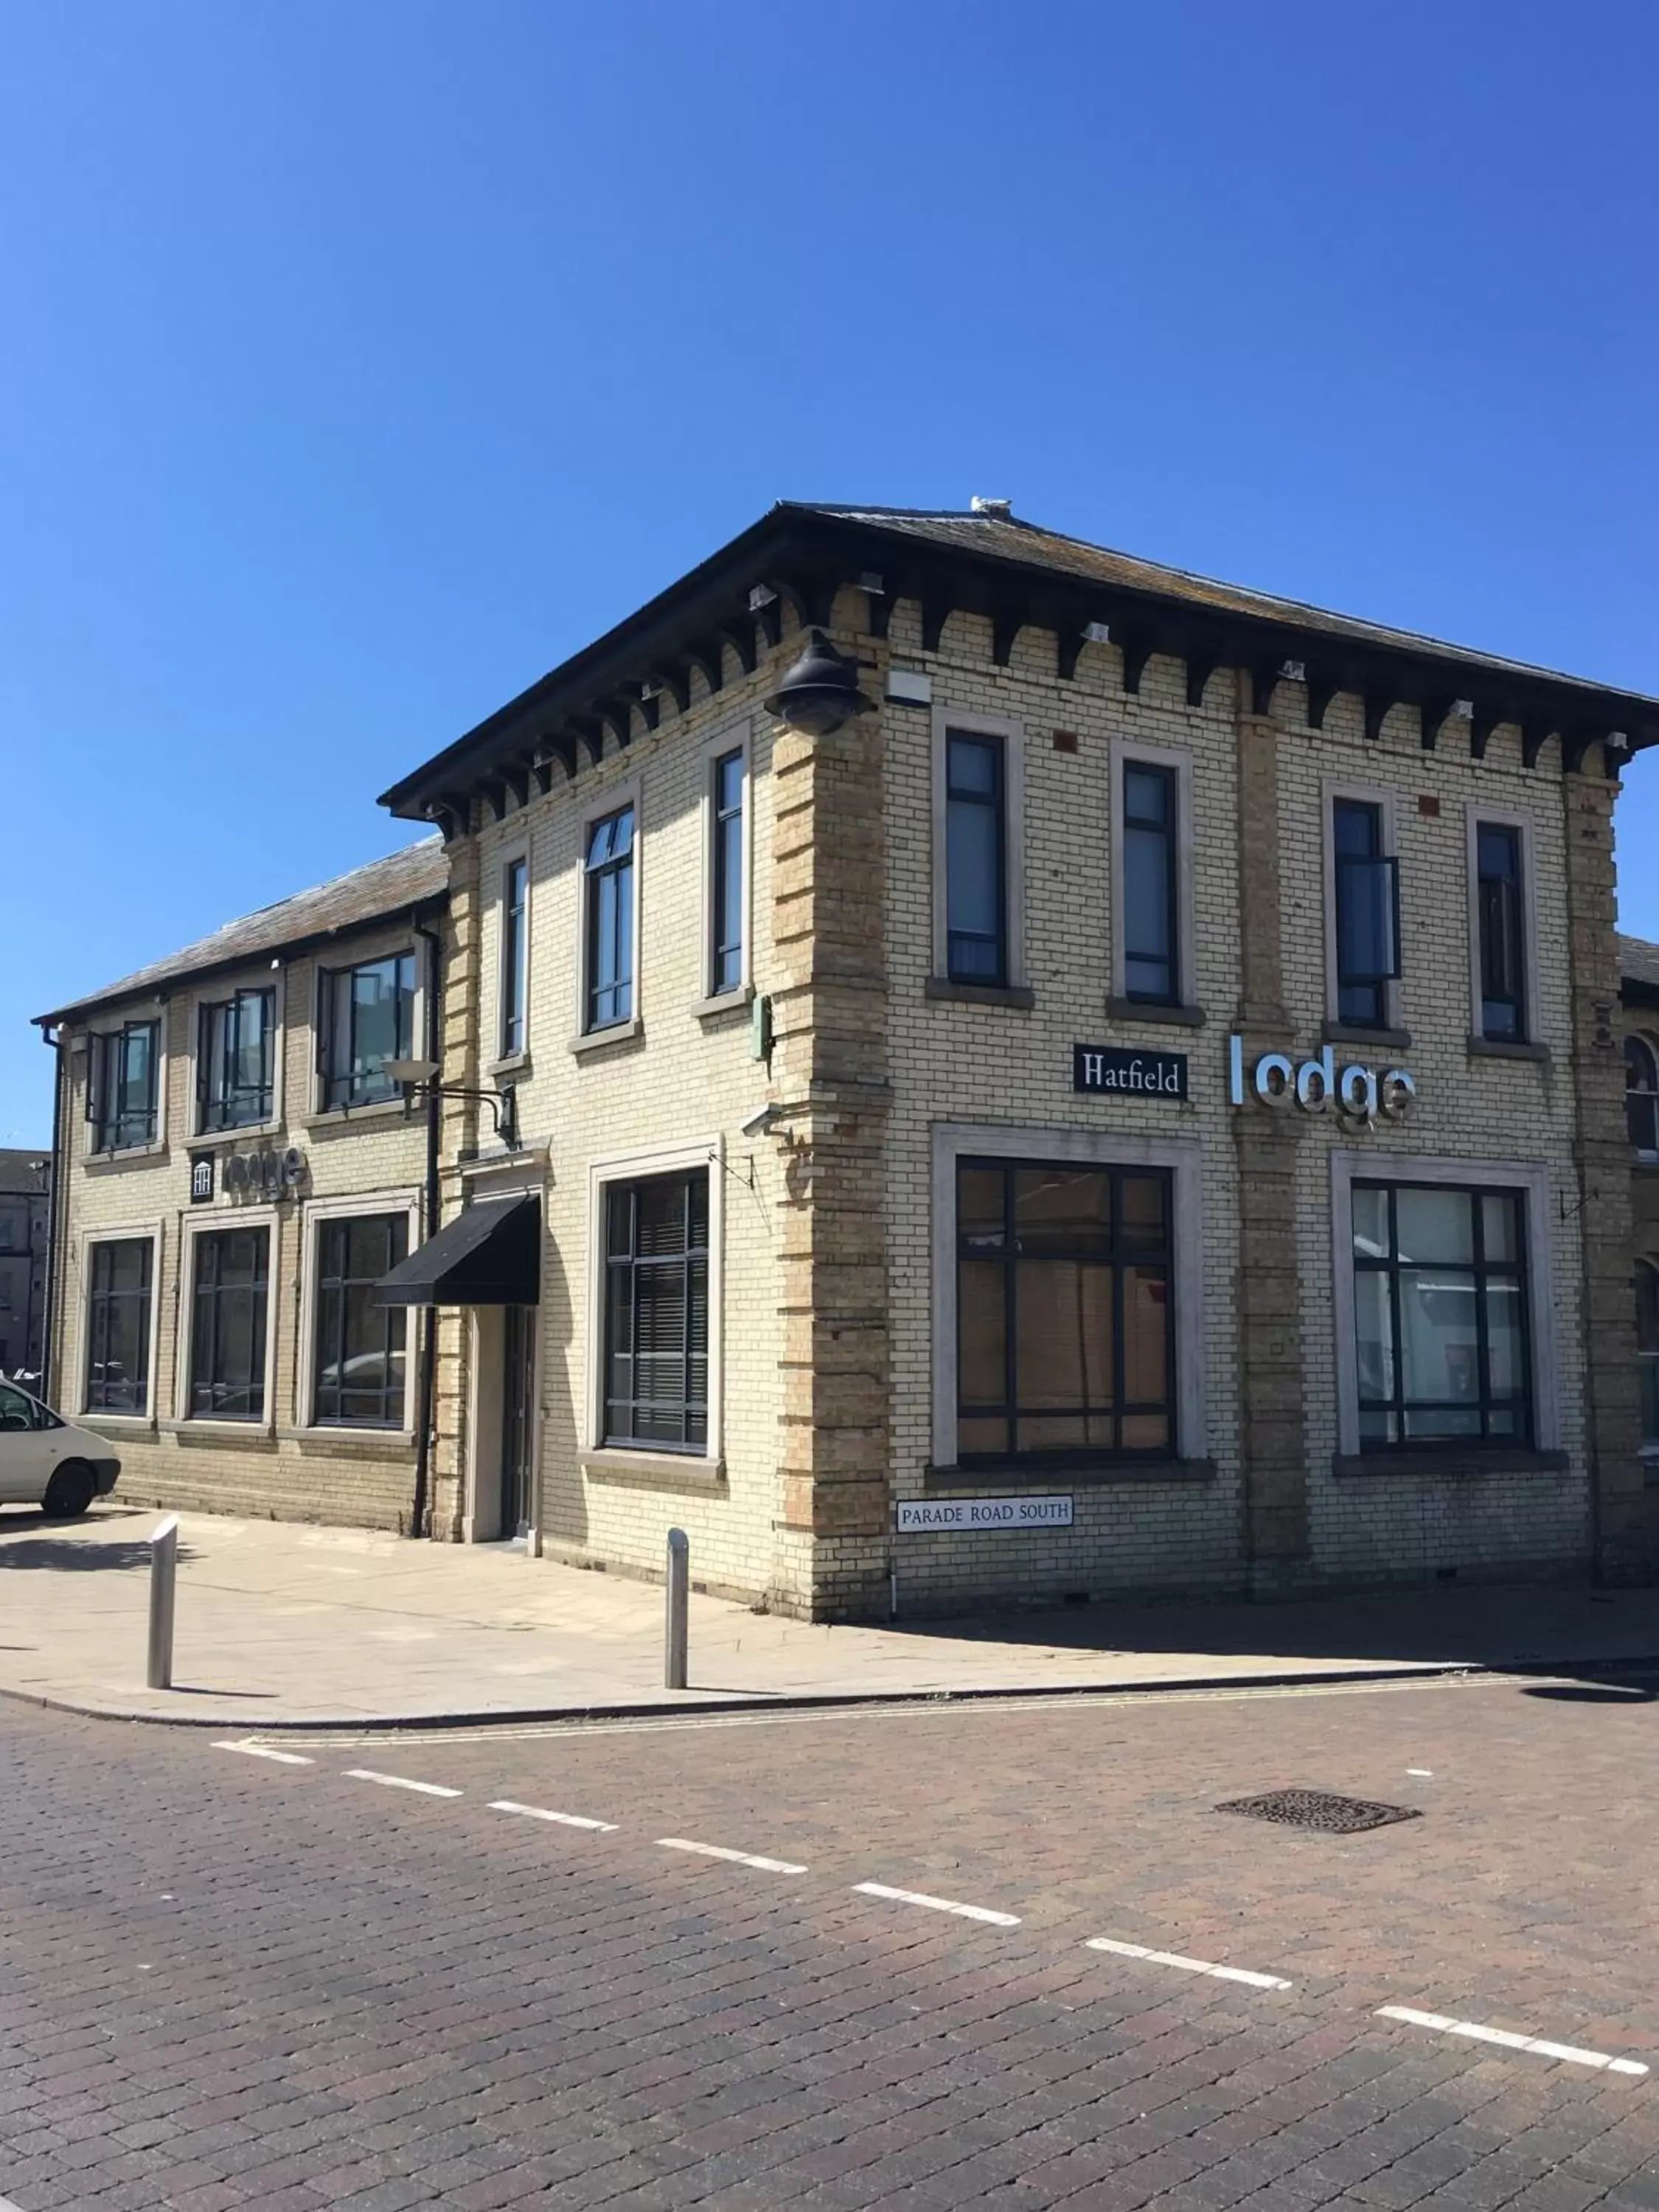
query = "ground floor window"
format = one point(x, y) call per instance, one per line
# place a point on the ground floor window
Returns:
point(1440, 1314)
point(360, 1342)
point(228, 1301)
point(1065, 1337)
point(656, 1312)
point(119, 1291)
point(1647, 1350)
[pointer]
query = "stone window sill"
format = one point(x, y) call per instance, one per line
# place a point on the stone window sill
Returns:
point(129, 1156)
point(681, 1471)
point(130, 1425)
point(515, 1063)
point(350, 1443)
point(251, 1436)
point(1453, 1463)
point(979, 994)
point(724, 1002)
point(1141, 1010)
point(975, 1481)
point(618, 1033)
point(329, 1118)
point(1506, 1049)
point(1354, 1034)
point(228, 1141)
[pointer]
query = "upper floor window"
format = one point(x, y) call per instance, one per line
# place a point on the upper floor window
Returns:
point(1642, 1095)
point(976, 859)
point(367, 1017)
point(608, 866)
point(726, 876)
point(1502, 918)
point(515, 955)
point(122, 1087)
point(1366, 890)
point(1151, 927)
point(235, 1060)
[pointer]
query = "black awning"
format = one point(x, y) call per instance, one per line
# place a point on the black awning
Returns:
point(490, 1255)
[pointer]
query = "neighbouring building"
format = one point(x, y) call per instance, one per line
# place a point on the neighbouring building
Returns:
point(25, 1213)
point(1639, 968)
point(236, 1171)
point(1103, 1082)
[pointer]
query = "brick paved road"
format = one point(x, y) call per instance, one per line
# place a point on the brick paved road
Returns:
point(226, 1981)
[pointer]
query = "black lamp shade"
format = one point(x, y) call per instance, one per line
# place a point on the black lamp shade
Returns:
point(821, 691)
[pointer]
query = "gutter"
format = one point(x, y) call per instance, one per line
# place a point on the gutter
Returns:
point(54, 1210)
point(419, 1513)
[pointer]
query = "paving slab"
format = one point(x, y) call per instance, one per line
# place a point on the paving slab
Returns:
point(287, 1624)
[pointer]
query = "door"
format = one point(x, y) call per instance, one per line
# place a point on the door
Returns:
point(29, 1441)
point(518, 1415)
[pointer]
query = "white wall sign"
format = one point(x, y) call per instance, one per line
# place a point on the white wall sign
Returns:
point(1362, 1093)
point(932, 1517)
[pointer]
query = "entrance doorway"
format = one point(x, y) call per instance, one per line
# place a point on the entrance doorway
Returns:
point(518, 1415)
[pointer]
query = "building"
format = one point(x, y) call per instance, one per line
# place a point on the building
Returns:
point(1105, 1082)
point(1639, 968)
point(236, 1170)
point(25, 1211)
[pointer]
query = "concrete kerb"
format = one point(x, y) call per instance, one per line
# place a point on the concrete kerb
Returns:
point(852, 1700)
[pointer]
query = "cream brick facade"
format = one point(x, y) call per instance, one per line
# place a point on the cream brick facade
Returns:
point(368, 1159)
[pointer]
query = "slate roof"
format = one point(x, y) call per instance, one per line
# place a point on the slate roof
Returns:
point(1638, 962)
point(417, 874)
point(19, 1174)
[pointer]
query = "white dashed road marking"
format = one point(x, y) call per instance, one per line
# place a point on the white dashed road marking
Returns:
point(1188, 1965)
point(1539, 2049)
point(938, 1904)
point(399, 1782)
point(541, 1813)
point(737, 1858)
point(254, 1751)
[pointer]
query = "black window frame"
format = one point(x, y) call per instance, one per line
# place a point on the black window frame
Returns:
point(1642, 1099)
point(956, 969)
point(99, 1395)
point(726, 873)
point(330, 1341)
point(625, 1268)
point(1518, 1270)
point(1362, 993)
point(117, 1126)
point(366, 1085)
point(1501, 923)
point(515, 956)
point(1168, 830)
point(208, 1290)
point(217, 1090)
point(1117, 1259)
point(608, 1001)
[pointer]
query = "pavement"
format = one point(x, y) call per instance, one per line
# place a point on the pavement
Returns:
point(280, 1624)
point(933, 1957)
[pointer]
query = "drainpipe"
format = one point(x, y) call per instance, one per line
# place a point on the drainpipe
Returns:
point(429, 1323)
point(60, 1154)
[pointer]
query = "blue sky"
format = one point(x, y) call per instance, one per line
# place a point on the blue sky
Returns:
point(363, 360)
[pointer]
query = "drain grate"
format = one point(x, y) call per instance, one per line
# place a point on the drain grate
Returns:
point(1320, 1808)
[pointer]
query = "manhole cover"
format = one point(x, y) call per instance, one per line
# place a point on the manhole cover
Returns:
point(1320, 1808)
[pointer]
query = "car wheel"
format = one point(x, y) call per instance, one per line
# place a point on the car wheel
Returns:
point(70, 1492)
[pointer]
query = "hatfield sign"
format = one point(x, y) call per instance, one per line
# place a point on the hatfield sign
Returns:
point(1362, 1093)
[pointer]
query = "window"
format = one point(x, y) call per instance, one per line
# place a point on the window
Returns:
point(1440, 1314)
point(1366, 887)
point(976, 859)
point(118, 1326)
point(609, 867)
point(1647, 1350)
point(235, 1059)
point(122, 1087)
point(656, 1313)
point(1642, 1095)
point(1151, 929)
point(227, 1325)
point(368, 1019)
point(360, 1342)
point(726, 877)
point(1502, 917)
point(1064, 1343)
point(516, 955)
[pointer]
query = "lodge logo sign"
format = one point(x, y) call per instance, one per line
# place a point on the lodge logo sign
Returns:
point(1318, 1085)
point(1128, 1074)
point(264, 1174)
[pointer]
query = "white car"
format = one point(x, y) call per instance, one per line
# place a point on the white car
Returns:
point(45, 1460)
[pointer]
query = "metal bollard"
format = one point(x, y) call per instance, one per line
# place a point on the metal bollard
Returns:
point(679, 1592)
point(163, 1567)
